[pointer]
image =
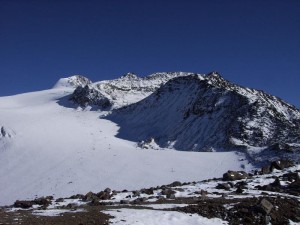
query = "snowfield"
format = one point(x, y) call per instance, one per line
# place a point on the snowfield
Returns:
point(150, 217)
point(61, 151)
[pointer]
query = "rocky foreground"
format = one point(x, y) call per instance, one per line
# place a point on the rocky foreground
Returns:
point(268, 196)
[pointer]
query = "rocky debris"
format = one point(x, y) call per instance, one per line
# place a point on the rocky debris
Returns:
point(90, 215)
point(234, 175)
point(238, 205)
point(43, 201)
point(248, 210)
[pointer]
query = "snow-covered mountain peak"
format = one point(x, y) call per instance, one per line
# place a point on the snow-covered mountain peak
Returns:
point(72, 81)
point(129, 76)
point(123, 91)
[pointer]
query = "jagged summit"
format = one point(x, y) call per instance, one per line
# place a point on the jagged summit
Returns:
point(72, 81)
point(129, 75)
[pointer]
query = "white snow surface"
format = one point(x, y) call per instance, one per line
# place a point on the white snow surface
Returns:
point(63, 151)
point(154, 217)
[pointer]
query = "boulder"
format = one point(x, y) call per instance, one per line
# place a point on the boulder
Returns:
point(103, 195)
point(147, 191)
point(136, 193)
point(234, 175)
point(223, 186)
point(266, 170)
point(23, 204)
point(168, 192)
point(107, 190)
point(239, 190)
point(175, 183)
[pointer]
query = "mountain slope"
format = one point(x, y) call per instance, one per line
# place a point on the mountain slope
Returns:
point(63, 151)
point(53, 144)
point(208, 113)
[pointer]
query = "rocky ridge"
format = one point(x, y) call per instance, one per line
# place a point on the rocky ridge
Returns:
point(208, 113)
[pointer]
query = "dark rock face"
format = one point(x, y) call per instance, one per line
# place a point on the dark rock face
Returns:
point(4, 133)
point(86, 95)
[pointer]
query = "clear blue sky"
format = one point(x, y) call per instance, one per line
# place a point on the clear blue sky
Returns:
point(255, 43)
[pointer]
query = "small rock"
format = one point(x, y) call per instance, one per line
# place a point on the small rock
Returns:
point(266, 205)
point(203, 192)
point(136, 193)
point(175, 183)
point(59, 200)
point(107, 190)
point(224, 186)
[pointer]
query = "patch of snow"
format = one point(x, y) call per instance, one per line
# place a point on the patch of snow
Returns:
point(154, 217)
